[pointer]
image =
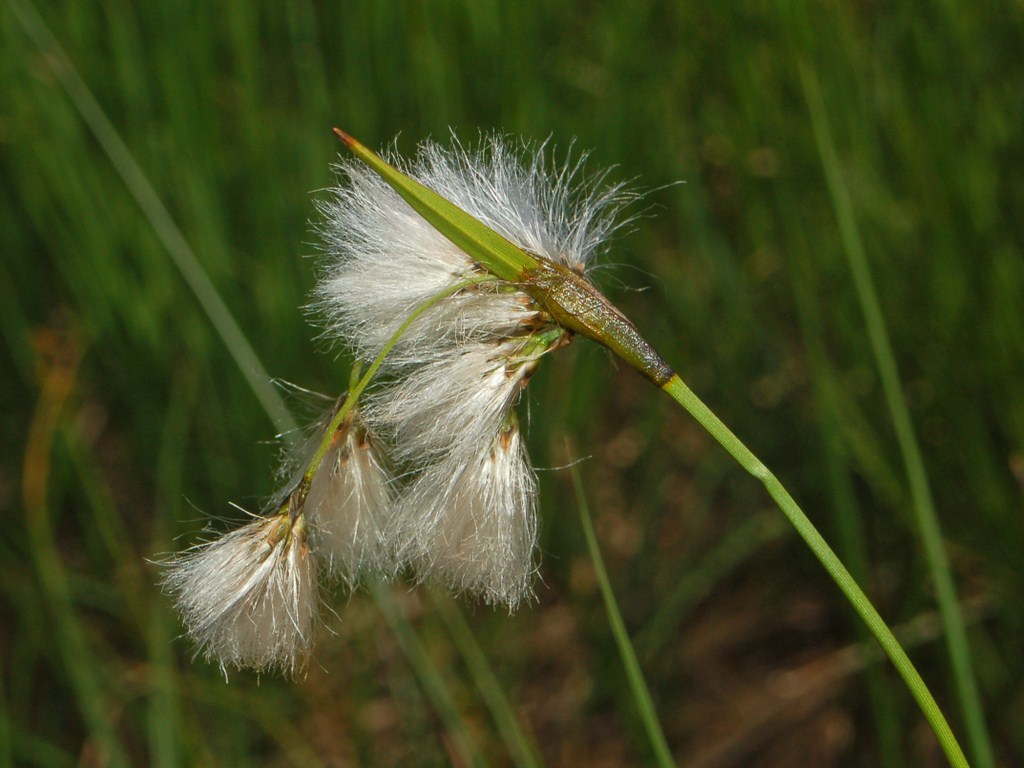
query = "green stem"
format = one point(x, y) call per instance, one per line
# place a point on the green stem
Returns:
point(927, 519)
point(430, 677)
point(683, 395)
point(641, 693)
point(359, 386)
point(521, 747)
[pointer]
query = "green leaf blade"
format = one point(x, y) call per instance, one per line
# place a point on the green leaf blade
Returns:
point(485, 246)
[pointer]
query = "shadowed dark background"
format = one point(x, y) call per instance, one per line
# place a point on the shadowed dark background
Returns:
point(127, 424)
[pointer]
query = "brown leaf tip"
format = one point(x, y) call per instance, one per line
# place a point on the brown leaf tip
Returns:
point(347, 140)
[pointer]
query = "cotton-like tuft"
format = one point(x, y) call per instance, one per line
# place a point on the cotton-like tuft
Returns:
point(250, 599)
point(426, 469)
point(348, 508)
point(470, 522)
point(458, 398)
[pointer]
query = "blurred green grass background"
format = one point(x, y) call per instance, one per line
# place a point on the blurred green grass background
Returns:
point(126, 423)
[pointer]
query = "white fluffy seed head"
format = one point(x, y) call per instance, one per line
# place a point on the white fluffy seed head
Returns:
point(466, 515)
point(461, 397)
point(384, 259)
point(518, 190)
point(348, 508)
point(250, 599)
point(470, 522)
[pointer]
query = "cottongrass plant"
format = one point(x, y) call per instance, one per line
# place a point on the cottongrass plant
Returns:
point(450, 348)
point(450, 277)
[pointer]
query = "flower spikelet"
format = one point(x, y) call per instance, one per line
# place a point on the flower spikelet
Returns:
point(470, 521)
point(249, 599)
point(348, 506)
point(456, 399)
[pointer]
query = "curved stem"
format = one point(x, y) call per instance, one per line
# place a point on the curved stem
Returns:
point(926, 517)
point(359, 386)
point(683, 395)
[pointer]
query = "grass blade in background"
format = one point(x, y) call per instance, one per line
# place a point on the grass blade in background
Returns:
point(156, 212)
point(637, 684)
point(521, 746)
point(238, 346)
point(6, 748)
point(164, 726)
point(78, 660)
point(924, 508)
point(429, 677)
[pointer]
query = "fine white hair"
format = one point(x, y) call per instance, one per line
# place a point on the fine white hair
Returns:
point(470, 521)
point(348, 508)
point(384, 260)
point(249, 599)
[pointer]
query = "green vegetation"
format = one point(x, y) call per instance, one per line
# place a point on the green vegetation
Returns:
point(151, 234)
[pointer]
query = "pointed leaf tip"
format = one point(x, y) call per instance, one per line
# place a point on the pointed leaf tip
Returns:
point(495, 253)
point(347, 140)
